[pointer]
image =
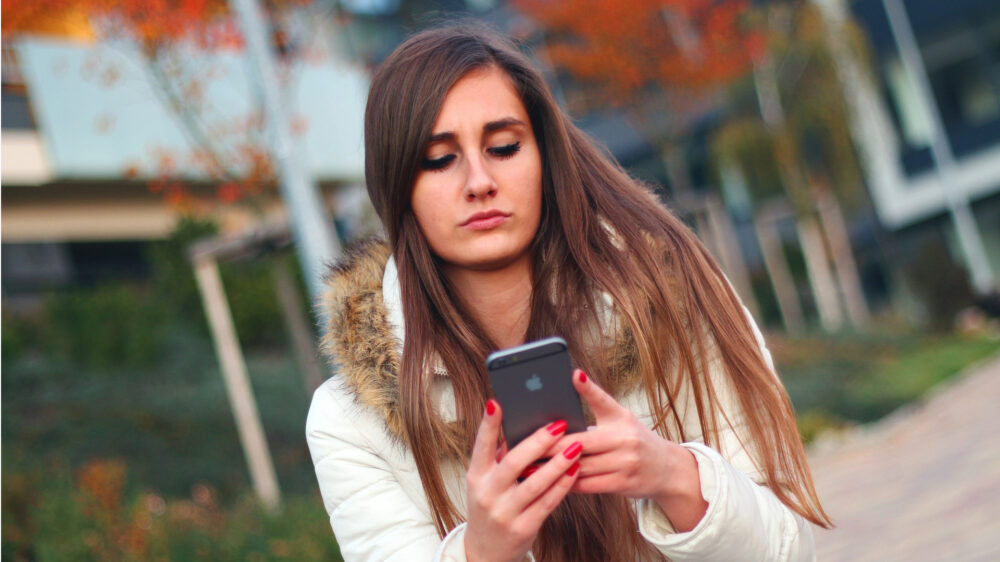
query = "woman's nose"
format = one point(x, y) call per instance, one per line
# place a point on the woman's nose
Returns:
point(479, 183)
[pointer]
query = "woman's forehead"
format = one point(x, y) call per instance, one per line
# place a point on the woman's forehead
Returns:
point(478, 101)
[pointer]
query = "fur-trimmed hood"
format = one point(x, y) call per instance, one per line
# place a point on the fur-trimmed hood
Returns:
point(359, 341)
point(363, 341)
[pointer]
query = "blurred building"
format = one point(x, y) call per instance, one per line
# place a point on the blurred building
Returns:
point(86, 130)
point(958, 43)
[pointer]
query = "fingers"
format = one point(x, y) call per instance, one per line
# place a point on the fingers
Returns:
point(536, 513)
point(528, 451)
point(484, 450)
point(501, 451)
point(601, 403)
point(536, 486)
point(596, 441)
point(614, 461)
point(609, 483)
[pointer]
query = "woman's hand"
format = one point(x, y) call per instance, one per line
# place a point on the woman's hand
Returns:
point(623, 456)
point(504, 515)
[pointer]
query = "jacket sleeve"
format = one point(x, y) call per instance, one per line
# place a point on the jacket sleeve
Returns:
point(371, 513)
point(744, 520)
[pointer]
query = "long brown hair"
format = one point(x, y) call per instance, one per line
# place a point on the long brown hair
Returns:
point(601, 233)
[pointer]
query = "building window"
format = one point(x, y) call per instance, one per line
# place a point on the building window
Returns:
point(15, 113)
point(964, 70)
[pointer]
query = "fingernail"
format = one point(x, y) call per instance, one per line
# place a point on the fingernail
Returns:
point(582, 375)
point(491, 407)
point(573, 450)
point(572, 470)
point(556, 427)
point(529, 471)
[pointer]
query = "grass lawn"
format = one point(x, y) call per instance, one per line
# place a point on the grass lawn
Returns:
point(859, 378)
point(145, 463)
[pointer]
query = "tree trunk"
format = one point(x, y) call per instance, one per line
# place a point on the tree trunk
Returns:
point(729, 253)
point(777, 270)
point(818, 270)
point(787, 159)
point(832, 218)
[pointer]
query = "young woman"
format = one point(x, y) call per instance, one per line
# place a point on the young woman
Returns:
point(506, 224)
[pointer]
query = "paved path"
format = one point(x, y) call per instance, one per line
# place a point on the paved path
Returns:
point(923, 484)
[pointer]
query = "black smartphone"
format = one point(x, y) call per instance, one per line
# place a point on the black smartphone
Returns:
point(534, 386)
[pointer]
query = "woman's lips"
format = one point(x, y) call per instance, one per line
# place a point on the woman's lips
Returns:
point(485, 220)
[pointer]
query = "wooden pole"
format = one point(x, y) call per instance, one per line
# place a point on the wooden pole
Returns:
point(297, 324)
point(234, 373)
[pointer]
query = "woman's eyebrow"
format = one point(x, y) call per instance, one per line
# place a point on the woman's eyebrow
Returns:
point(502, 124)
point(497, 125)
point(438, 137)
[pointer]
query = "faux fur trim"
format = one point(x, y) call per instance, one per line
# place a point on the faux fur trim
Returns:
point(359, 340)
point(361, 346)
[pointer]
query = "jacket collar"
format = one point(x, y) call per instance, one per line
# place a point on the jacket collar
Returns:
point(392, 298)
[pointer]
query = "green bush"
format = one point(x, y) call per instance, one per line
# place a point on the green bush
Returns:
point(94, 514)
point(21, 335)
point(171, 422)
point(116, 326)
point(250, 291)
point(120, 326)
point(249, 286)
point(172, 276)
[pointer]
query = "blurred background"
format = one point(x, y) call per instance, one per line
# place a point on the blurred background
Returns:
point(175, 173)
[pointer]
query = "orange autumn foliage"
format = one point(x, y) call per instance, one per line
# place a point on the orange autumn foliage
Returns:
point(624, 47)
point(151, 23)
point(227, 150)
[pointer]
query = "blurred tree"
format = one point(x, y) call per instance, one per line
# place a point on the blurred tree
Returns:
point(802, 114)
point(662, 60)
point(669, 61)
point(231, 153)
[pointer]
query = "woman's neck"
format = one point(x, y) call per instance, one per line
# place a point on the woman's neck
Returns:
point(500, 299)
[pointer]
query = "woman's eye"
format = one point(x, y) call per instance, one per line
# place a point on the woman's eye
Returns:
point(505, 151)
point(437, 163)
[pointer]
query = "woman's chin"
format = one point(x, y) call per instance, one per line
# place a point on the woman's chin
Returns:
point(490, 261)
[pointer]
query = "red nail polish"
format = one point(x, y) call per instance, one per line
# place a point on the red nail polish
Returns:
point(572, 470)
point(491, 407)
point(529, 471)
point(573, 450)
point(583, 376)
point(556, 427)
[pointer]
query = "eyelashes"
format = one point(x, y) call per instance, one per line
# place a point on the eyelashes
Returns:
point(437, 163)
point(502, 152)
point(505, 151)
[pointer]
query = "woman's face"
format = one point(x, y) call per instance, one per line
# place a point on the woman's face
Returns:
point(478, 194)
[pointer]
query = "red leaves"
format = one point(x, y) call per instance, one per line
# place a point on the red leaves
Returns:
point(151, 23)
point(626, 46)
point(229, 192)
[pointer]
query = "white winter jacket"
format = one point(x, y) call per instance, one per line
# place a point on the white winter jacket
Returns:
point(369, 480)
